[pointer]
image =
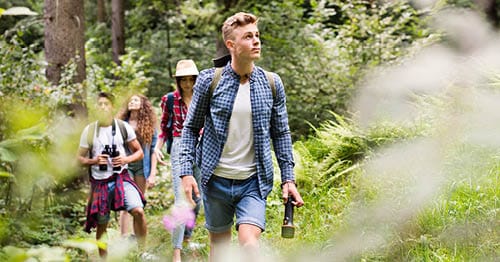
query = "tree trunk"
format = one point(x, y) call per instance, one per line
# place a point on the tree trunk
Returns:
point(101, 11)
point(64, 41)
point(117, 29)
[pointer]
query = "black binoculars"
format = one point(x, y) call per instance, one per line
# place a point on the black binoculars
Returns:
point(288, 229)
point(112, 152)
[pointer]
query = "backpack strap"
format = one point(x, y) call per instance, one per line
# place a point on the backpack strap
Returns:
point(215, 82)
point(218, 74)
point(90, 136)
point(170, 109)
point(90, 141)
point(270, 79)
point(123, 130)
point(170, 105)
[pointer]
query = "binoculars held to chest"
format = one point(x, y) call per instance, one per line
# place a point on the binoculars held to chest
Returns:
point(112, 152)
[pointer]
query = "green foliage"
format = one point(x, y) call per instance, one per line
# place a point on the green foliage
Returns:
point(458, 223)
point(461, 222)
point(121, 80)
point(320, 64)
point(161, 198)
point(21, 70)
point(36, 151)
point(42, 253)
point(98, 45)
point(339, 145)
point(170, 34)
point(30, 29)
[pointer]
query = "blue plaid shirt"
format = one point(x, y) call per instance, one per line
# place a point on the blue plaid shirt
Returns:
point(213, 111)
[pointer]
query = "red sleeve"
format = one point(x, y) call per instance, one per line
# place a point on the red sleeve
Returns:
point(164, 118)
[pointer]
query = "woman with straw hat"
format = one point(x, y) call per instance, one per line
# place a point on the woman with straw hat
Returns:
point(174, 111)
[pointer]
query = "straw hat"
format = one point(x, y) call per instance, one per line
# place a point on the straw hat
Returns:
point(186, 68)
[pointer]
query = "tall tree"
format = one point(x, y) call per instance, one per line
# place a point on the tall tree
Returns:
point(101, 11)
point(117, 29)
point(65, 41)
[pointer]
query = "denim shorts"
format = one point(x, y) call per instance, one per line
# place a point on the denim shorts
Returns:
point(136, 168)
point(225, 198)
point(132, 200)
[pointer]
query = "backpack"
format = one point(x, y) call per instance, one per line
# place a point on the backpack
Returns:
point(218, 74)
point(170, 109)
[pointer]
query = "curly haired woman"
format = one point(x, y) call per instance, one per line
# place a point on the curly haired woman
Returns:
point(139, 113)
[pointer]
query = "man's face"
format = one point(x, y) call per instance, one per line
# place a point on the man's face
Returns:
point(245, 42)
point(105, 107)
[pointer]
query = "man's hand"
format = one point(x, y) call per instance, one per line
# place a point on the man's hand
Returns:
point(102, 159)
point(190, 186)
point(119, 161)
point(289, 189)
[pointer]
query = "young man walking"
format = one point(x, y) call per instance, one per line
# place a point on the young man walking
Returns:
point(102, 148)
point(240, 116)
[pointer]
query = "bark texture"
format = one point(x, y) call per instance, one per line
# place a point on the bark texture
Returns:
point(65, 41)
point(101, 11)
point(117, 29)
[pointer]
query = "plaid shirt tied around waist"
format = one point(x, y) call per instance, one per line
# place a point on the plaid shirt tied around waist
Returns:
point(98, 202)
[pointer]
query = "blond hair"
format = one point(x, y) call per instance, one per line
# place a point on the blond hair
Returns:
point(235, 21)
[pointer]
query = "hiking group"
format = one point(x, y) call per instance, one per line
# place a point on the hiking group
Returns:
point(218, 126)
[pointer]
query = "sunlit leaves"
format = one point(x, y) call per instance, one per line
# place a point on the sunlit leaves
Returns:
point(17, 11)
point(42, 253)
point(88, 245)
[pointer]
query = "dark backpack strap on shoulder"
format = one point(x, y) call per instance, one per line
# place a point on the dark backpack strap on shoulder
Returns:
point(170, 109)
point(170, 124)
point(124, 132)
point(170, 103)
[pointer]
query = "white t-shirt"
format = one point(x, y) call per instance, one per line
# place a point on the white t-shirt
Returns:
point(106, 138)
point(238, 157)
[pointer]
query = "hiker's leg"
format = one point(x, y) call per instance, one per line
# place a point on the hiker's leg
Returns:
point(124, 222)
point(140, 225)
point(218, 244)
point(134, 205)
point(101, 230)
